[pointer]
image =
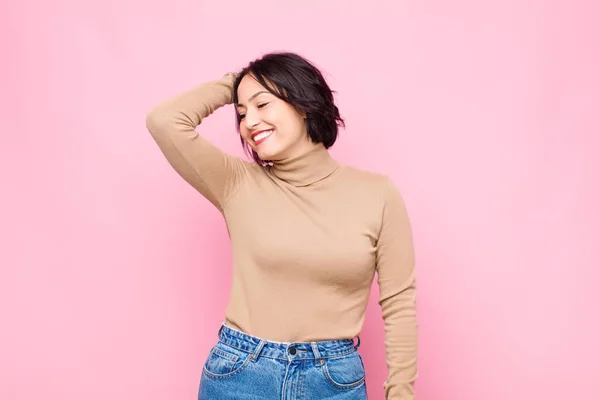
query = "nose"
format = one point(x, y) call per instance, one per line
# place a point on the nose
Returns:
point(251, 119)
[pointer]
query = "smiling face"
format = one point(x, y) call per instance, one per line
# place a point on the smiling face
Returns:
point(273, 128)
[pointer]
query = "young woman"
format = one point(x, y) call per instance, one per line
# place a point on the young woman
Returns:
point(308, 235)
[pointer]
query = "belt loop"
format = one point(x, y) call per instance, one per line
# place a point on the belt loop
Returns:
point(357, 345)
point(315, 349)
point(257, 350)
point(220, 330)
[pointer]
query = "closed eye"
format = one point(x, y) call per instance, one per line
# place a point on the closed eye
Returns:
point(261, 105)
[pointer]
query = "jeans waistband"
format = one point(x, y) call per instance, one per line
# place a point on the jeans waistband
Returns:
point(258, 347)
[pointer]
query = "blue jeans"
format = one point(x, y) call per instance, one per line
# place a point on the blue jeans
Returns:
point(244, 367)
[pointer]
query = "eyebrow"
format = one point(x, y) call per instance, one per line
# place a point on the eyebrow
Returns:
point(252, 97)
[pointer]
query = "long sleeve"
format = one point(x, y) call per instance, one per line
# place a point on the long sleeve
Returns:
point(172, 124)
point(396, 278)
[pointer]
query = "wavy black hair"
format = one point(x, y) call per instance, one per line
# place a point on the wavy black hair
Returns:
point(298, 82)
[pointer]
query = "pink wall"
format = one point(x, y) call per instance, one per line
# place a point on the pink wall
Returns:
point(115, 273)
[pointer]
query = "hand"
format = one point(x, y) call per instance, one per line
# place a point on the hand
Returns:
point(232, 76)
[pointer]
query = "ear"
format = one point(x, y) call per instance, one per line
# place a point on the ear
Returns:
point(300, 112)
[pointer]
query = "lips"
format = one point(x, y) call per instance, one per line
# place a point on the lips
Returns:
point(261, 136)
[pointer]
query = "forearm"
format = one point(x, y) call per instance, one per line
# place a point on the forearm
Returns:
point(185, 111)
point(401, 333)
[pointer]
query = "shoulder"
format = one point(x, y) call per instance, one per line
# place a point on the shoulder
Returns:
point(370, 190)
point(374, 182)
point(253, 168)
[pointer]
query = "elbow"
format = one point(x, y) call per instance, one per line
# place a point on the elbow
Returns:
point(160, 121)
point(155, 120)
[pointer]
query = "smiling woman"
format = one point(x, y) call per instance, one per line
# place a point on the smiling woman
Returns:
point(288, 91)
point(306, 255)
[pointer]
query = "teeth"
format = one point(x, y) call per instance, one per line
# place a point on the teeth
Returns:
point(262, 135)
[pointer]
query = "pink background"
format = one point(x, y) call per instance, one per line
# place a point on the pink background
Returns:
point(115, 273)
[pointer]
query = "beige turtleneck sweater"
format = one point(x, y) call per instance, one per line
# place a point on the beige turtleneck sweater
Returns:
point(307, 235)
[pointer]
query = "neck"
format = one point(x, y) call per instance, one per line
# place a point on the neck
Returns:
point(305, 168)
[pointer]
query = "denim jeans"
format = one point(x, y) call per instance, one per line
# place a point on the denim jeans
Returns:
point(244, 367)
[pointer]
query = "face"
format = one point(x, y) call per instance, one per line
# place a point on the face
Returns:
point(273, 128)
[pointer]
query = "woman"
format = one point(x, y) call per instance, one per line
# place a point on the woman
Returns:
point(307, 234)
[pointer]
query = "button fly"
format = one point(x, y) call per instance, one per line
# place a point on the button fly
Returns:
point(292, 350)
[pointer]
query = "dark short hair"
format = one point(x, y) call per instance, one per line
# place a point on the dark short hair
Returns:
point(298, 82)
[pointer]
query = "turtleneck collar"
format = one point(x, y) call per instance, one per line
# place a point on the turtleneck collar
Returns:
point(305, 169)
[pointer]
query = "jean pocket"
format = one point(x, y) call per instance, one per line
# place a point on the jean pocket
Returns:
point(223, 362)
point(347, 372)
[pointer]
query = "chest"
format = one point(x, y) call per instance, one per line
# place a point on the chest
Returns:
point(313, 233)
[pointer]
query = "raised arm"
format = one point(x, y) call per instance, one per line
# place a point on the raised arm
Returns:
point(396, 277)
point(172, 124)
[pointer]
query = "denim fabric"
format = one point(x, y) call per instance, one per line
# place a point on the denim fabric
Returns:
point(244, 367)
